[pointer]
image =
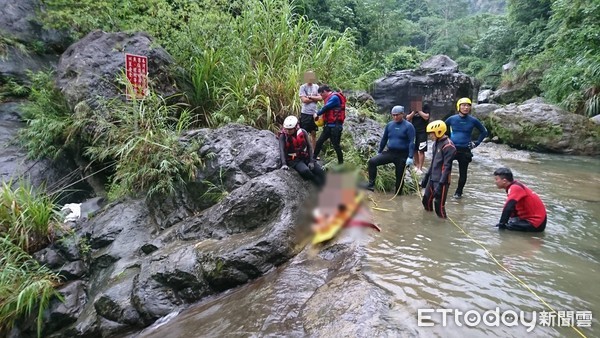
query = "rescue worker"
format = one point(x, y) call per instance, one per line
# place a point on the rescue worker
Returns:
point(461, 127)
point(436, 181)
point(523, 209)
point(295, 152)
point(399, 137)
point(334, 111)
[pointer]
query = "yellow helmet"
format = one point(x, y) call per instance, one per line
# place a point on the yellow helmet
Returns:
point(438, 127)
point(320, 122)
point(461, 101)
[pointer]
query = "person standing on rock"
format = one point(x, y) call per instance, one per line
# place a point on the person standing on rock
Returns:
point(523, 209)
point(309, 96)
point(295, 151)
point(399, 136)
point(334, 112)
point(436, 181)
point(419, 120)
point(461, 127)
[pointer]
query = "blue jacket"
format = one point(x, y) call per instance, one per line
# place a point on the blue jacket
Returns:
point(461, 129)
point(399, 137)
point(332, 102)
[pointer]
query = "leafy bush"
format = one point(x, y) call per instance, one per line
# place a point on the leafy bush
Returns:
point(404, 58)
point(48, 119)
point(27, 216)
point(27, 220)
point(141, 138)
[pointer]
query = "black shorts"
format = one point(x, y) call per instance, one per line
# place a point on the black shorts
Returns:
point(421, 142)
point(307, 122)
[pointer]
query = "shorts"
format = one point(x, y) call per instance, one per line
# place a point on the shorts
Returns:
point(421, 142)
point(307, 122)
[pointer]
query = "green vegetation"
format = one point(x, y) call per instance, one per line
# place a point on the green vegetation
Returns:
point(141, 138)
point(27, 220)
point(48, 131)
point(241, 61)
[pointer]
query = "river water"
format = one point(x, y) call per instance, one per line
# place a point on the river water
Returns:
point(421, 262)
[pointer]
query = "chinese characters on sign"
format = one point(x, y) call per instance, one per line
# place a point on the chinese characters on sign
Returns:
point(136, 67)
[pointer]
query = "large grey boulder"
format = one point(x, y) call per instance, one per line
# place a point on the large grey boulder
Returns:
point(322, 292)
point(233, 155)
point(61, 314)
point(140, 271)
point(43, 173)
point(439, 63)
point(484, 96)
point(18, 21)
point(90, 69)
point(545, 127)
point(516, 94)
point(437, 82)
point(484, 110)
point(19, 25)
point(365, 132)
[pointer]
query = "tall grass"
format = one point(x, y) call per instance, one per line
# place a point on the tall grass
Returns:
point(27, 216)
point(263, 52)
point(27, 221)
point(48, 119)
point(25, 286)
point(141, 138)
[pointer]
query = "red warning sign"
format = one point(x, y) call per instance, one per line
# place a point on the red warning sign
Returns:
point(137, 73)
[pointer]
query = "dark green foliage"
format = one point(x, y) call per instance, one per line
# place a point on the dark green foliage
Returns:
point(48, 119)
point(27, 219)
point(141, 138)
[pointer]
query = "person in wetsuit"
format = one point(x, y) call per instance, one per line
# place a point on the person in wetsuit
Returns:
point(295, 151)
point(523, 209)
point(399, 136)
point(461, 127)
point(436, 181)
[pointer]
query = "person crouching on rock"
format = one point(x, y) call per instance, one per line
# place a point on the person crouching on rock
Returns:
point(296, 152)
point(437, 180)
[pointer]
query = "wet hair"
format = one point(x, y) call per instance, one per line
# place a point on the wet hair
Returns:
point(504, 173)
point(323, 88)
point(426, 108)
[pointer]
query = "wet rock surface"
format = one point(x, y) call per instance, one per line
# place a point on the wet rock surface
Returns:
point(15, 164)
point(137, 271)
point(322, 292)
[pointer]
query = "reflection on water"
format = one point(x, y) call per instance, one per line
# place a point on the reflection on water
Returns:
point(427, 263)
point(422, 262)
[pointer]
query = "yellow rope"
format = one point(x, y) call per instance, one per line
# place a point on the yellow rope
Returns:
point(510, 273)
point(401, 184)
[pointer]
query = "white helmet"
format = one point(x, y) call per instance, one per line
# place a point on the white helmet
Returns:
point(290, 122)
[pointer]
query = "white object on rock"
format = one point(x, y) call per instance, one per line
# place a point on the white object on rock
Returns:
point(72, 211)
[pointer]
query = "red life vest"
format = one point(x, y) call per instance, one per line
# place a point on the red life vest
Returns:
point(336, 115)
point(296, 146)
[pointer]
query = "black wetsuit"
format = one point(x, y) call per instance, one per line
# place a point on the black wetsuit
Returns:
point(437, 179)
point(300, 160)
